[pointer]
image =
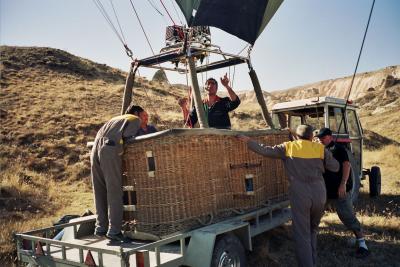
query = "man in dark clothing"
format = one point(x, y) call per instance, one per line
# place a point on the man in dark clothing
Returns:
point(145, 128)
point(338, 187)
point(304, 161)
point(215, 107)
point(106, 172)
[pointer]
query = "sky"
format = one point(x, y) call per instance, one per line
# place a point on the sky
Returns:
point(306, 41)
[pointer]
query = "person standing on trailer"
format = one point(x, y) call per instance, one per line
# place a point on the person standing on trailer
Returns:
point(106, 172)
point(305, 162)
point(216, 108)
point(338, 187)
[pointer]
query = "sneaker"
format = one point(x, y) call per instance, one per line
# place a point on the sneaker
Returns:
point(100, 233)
point(118, 237)
point(362, 253)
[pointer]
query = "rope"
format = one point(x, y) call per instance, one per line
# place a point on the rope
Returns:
point(242, 49)
point(150, 102)
point(154, 6)
point(121, 37)
point(100, 6)
point(229, 75)
point(233, 76)
point(141, 25)
point(116, 17)
point(355, 70)
point(190, 98)
point(176, 11)
point(158, 11)
point(166, 10)
point(152, 50)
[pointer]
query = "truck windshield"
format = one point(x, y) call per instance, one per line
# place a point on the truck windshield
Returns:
point(336, 120)
point(352, 124)
point(293, 118)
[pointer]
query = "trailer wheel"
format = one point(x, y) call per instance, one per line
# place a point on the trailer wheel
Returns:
point(375, 181)
point(228, 251)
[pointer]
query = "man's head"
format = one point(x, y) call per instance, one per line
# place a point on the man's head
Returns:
point(305, 132)
point(134, 110)
point(144, 117)
point(325, 136)
point(140, 112)
point(211, 86)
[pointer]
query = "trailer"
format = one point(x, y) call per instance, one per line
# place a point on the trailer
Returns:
point(220, 244)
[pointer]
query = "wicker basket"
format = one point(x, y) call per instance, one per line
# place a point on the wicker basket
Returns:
point(184, 178)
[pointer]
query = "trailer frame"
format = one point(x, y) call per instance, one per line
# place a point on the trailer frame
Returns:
point(195, 247)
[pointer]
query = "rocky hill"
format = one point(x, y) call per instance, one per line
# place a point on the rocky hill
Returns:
point(377, 93)
point(371, 90)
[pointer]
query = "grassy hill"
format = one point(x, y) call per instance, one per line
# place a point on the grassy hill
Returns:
point(52, 103)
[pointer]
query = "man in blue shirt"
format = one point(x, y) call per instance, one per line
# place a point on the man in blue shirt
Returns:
point(215, 107)
point(145, 128)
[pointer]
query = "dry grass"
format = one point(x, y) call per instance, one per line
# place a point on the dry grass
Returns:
point(34, 200)
point(386, 123)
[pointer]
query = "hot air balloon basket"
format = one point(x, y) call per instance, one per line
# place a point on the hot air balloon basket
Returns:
point(181, 179)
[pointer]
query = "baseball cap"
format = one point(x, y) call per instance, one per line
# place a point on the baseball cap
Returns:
point(324, 132)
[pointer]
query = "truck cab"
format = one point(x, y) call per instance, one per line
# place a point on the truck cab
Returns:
point(345, 124)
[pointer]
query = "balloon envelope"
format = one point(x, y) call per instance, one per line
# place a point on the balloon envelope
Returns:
point(245, 19)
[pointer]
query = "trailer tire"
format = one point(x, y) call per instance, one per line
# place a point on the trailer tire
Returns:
point(228, 251)
point(375, 181)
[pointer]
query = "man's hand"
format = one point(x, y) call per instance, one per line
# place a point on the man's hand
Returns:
point(342, 190)
point(182, 102)
point(225, 80)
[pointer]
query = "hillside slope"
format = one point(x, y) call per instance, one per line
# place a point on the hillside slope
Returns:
point(377, 93)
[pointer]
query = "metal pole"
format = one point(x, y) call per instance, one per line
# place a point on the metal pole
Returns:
point(260, 98)
point(127, 98)
point(201, 115)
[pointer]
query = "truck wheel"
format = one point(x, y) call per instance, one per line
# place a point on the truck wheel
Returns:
point(354, 177)
point(375, 181)
point(228, 251)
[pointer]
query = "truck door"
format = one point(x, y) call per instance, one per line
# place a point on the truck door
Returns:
point(355, 133)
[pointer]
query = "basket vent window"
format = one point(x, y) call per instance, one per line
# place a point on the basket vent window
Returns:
point(129, 198)
point(248, 182)
point(151, 165)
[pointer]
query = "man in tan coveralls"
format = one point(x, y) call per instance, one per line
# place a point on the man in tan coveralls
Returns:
point(106, 172)
point(305, 162)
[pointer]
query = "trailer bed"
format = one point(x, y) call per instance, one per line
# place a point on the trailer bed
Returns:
point(193, 248)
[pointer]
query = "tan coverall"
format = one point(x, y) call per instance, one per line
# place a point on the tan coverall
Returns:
point(106, 165)
point(305, 162)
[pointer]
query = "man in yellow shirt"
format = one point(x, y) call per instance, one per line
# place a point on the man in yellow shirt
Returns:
point(305, 162)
